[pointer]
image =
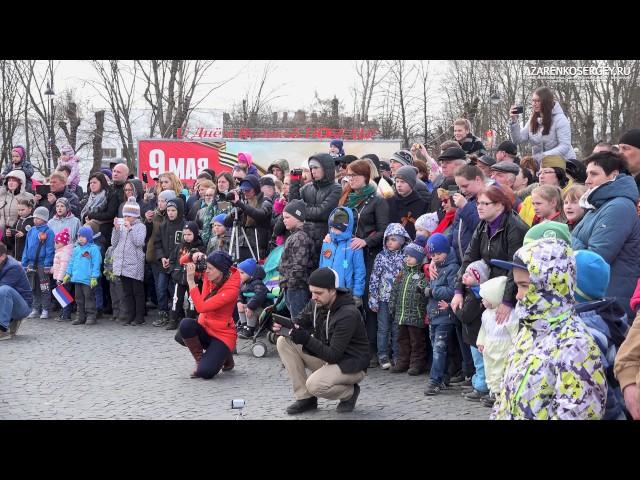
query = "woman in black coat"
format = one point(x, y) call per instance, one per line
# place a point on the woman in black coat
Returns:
point(101, 206)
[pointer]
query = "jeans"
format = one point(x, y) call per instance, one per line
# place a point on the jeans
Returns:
point(296, 299)
point(97, 291)
point(478, 380)
point(386, 327)
point(439, 335)
point(215, 353)
point(161, 280)
point(12, 306)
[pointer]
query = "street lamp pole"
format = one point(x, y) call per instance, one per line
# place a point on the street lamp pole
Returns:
point(50, 94)
point(494, 99)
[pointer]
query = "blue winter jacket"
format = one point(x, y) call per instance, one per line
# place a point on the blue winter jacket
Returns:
point(464, 224)
point(386, 267)
point(612, 230)
point(13, 275)
point(47, 251)
point(349, 264)
point(443, 288)
point(85, 263)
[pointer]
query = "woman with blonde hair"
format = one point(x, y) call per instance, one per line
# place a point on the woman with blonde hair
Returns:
point(547, 204)
point(169, 181)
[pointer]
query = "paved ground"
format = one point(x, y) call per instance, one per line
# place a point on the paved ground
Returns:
point(54, 370)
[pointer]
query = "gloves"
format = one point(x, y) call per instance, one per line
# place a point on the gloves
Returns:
point(66, 279)
point(427, 292)
point(93, 282)
point(300, 336)
point(357, 301)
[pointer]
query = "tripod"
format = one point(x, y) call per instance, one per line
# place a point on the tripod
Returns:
point(235, 240)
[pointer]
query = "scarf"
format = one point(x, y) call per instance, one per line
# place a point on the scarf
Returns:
point(95, 202)
point(355, 199)
point(445, 222)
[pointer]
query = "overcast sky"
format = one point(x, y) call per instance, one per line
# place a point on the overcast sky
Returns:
point(295, 81)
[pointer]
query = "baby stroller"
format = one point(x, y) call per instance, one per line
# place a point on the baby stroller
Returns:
point(272, 281)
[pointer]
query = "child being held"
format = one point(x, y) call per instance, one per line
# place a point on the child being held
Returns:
point(495, 341)
point(84, 270)
point(252, 298)
point(338, 255)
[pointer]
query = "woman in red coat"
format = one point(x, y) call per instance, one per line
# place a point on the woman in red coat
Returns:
point(212, 338)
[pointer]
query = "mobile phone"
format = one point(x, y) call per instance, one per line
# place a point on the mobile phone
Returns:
point(518, 110)
point(178, 237)
point(145, 179)
point(284, 332)
point(43, 190)
point(284, 321)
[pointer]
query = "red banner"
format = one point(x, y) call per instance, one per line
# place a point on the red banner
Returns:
point(186, 159)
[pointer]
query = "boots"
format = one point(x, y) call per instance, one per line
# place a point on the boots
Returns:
point(195, 347)
point(172, 324)
point(228, 363)
point(163, 318)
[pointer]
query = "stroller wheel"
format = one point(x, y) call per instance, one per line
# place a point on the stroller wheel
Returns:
point(273, 338)
point(259, 349)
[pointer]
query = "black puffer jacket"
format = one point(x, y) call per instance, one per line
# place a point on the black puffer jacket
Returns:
point(502, 245)
point(256, 287)
point(345, 341)
point(320, 197)
point(406, 210)
point(165, 241)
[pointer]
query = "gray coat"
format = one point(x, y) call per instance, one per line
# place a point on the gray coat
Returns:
point(557, 142)
point(128, 251)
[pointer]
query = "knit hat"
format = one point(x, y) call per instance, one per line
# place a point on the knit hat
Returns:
point(324, 277)
point(267, 181)
point(67, 150)
point(314, 162)
point(63, 237)
point(453, 153)
point(384, 166)
point(20, 149)
point(480, 270)
point(64, 201)
point(245, 157)
point(374, 158)
point(338, 144)
point(219, 218)
point(428, 221)
point(248, 266)
point(493, 290)
point(87, 233)
point(297, 208)
point(592, 274)
point(414, 250)
point(173, 203)
point(509, 147)
point(438, 243)
point(193, 227)
point(221, 260)
point(554, 161)
point(631, 137)
point(548, 229)
point(107, 172)
point(131, 208)
point(408, 174)
point(42, 213)
point(402, 156)
point(167, 195)
point(339, 220)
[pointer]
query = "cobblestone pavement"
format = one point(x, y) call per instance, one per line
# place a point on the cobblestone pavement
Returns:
point(54, 370)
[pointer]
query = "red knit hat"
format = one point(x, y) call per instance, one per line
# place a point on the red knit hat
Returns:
point(63, 237)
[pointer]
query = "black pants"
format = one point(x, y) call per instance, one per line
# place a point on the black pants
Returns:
point(177, 308)
point(86, 300)
point(133, 299)
point(215, 351)
point(412, 346)
point(371, 318)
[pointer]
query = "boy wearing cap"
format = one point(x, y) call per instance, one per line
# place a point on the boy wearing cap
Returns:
point(37, 259)
point(441, 319)
point(64, 250)
point(252, 298)
point(338, 255)
point(220, 237)
point(407, 308)
point(298, 257)
point(336, 148)
point(84, 270)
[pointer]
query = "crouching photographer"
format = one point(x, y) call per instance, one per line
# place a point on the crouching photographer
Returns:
point(254, 219)
point(328, 338)
point(211, 338)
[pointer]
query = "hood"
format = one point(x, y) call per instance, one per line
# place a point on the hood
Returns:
point(259, 274)
point(623, 186)
point(557, 109)
point(282, 164)
point(328, 165)
point(343, 297)
point(254, 181)
point(335, 237)
point(612, 318)
point(197, 243)
point(19, 174)
point(247, 157)
point(395, 229)
point(138, 189)
point(552, 269)
point(180, 207)
point(451, 258)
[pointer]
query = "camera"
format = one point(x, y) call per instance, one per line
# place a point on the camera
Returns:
point(517, 110)
point(231, 195)
point(201, 265)
point(238, 403)
point(452, 191)
point(296, 173)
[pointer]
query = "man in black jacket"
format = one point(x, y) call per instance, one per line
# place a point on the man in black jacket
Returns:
point(59, 189)
point(329, 339)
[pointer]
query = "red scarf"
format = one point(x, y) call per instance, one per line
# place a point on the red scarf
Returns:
point(537, 219)
point(445, 222)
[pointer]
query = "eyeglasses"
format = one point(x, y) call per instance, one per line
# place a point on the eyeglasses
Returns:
point(546, 172)
point(485, 204)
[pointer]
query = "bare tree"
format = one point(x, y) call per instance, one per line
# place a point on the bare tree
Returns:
point(72, 121)
point(370, 75)
point(97, 141)
point(402, 79)
point(12, 106)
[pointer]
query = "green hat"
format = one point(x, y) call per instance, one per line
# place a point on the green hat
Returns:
point(548, 230)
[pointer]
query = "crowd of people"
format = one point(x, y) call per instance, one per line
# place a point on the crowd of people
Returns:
point(513, 280)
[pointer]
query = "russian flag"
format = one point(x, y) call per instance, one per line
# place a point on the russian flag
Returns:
point(63, 297)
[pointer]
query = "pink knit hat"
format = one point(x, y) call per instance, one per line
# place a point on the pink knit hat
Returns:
point(245, 157)
point(63, 237)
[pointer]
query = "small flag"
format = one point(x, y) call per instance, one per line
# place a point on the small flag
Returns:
point(63, 297)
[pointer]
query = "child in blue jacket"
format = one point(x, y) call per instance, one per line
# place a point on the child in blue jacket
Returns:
point(37, 259)
point(84, 270)
point(338, 255)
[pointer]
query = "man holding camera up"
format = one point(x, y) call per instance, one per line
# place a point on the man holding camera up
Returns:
point(328, 338)
point(254, 218)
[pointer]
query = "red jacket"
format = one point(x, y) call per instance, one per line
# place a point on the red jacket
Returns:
point(635, 298)
point(216, 312)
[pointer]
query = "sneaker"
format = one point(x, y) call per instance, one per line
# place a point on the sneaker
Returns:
point(465, 382)
point(163, 318)
point(34, 313)
point(300, 406)
point(346, 406)
point(5, 335)
point(62, 318)
point(44, 314)
point(14, 325)
point(246, 333)
point(434, 388)
point(385, 364)
point(474, 395)
point(488, 400)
